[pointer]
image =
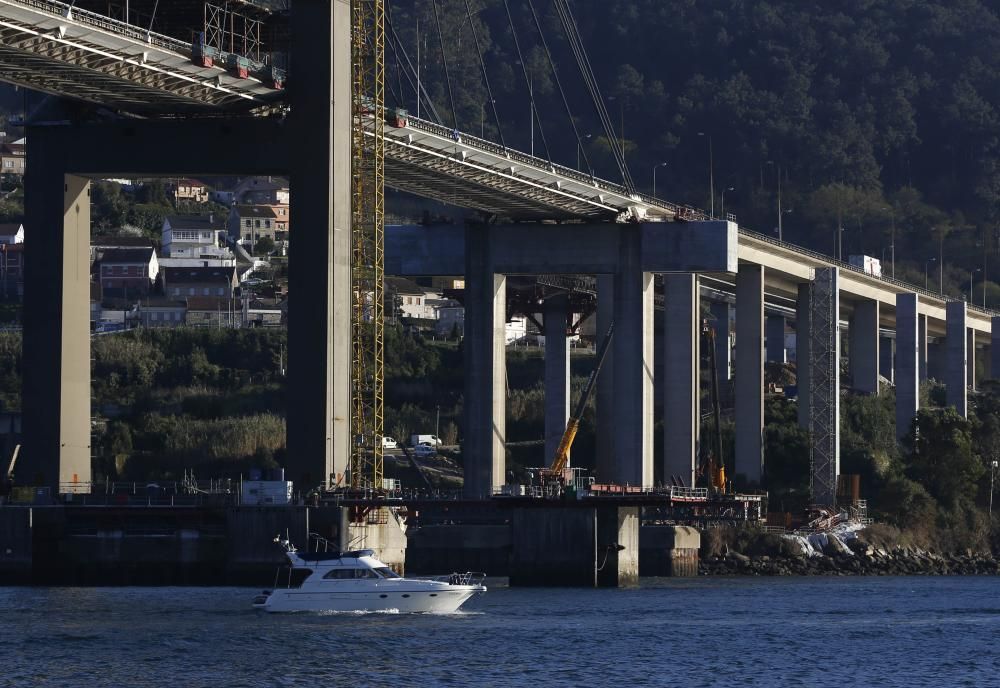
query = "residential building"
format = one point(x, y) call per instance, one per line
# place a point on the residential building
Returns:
point(211, 281)
point(190, 190)
point(127, 272)
point(263, 313)
point(248, 224)
point(12, 233)
point(211, 311)
point(412, 300)
point(162, 312)
point(12, 158)
point(193, 236)
point(262, 190)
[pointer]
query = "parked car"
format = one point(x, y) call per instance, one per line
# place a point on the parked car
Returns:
point(425, 439)
point(423, 451)
point(389, 442)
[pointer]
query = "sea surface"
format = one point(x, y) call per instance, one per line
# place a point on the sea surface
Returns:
point(710, 632)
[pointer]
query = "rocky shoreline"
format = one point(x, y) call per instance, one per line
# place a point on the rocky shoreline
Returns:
point(853, 558)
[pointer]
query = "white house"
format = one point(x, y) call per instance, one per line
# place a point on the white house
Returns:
point(193, 236)
point(12, 233)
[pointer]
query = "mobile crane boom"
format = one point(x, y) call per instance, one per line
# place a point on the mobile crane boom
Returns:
point(561, 458)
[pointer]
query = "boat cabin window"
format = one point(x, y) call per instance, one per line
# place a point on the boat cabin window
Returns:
point(386, 572)
point(350, 574)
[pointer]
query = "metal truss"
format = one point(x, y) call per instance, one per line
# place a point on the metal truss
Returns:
point(824, 386)
point(367, 241)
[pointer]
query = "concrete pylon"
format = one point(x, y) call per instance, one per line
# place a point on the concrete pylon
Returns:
point(681, 401)
point(56, 346)
point(864, 342)
point(803, 334)
point(557, 376)
point(922, 346)
point(485, 422)
point(970, 359)
point(956, 376)
point(907, 361)
point(319, 333)
point(775, 339)
point(633, 362)
point(605, 442)
point(750, 371)
point(995, 347)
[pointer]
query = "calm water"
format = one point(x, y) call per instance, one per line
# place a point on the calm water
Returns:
point(704, 632)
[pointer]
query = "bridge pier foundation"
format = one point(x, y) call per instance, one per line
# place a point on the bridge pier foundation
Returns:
point(864, 347)
point(681, 370)
point(956, 371)
point(907, 361)
point(749, 371)
point(557, 375)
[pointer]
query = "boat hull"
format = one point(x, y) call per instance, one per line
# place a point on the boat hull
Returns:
point(435, 601)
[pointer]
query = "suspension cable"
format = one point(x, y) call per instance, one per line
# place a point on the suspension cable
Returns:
point(527, 80)
point(397, 46)
point(562, 92)
point(587, 72)
point(444, 59)
point(486, 78)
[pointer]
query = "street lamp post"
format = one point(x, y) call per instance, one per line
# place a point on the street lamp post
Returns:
point(655, 168)
point(927, 265)
point(892, 240)
point(722, 211)
point(711, 174)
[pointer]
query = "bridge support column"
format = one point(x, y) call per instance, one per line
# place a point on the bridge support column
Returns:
point(56, 345)
point(803, 333)
point(633, 359)
point(605, 442)
point(956, 370)
point(824, 389)
point(886, 347)
point(776, 339)
point(319, 332)
point(922, 345)
point(995, 347)
point(723, 350)
point(907, 361)
point(970, 359)
point(864, 342)
point(681, 401)
point(557, 377)
point(485, 369)
point(750, 371)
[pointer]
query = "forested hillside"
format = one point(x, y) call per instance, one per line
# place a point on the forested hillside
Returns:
point(875, 113)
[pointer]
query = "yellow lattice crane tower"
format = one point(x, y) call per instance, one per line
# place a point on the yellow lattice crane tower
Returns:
point(367, 240)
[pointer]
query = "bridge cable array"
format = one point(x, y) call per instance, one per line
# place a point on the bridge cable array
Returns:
point(408, 70)
point(527, 80)
point(486, 78)
point(444, 60)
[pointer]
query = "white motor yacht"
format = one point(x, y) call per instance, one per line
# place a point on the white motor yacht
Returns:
point(356, 581)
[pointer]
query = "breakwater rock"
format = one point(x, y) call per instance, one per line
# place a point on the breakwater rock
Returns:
point(851, 558)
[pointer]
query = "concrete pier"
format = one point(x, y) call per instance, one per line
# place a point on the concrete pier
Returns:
point(669, 551)
point(776, 339)
point(956, 376)
point(922, 346)
point(604, 469)
point(578, 547)
point(633, 363)
point(803, 334)
point(681, 389)
point(557, 377)
point(750, 371)
point(485, 369)
point(907, 362)
point(970, 359)
point(995, 347)
point(864, 347)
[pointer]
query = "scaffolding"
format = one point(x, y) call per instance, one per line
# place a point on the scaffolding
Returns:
point(367, 241)
point(824, 386)
point(231, 32)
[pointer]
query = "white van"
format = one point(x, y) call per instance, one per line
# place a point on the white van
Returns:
point(389, 443)
point(432, 440)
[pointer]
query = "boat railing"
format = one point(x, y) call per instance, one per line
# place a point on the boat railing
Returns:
point(467, 578)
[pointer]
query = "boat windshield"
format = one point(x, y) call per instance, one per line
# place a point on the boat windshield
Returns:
point(386, 572)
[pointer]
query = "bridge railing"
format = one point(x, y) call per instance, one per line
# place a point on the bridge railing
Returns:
point(99, 21)
point(854, 268)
